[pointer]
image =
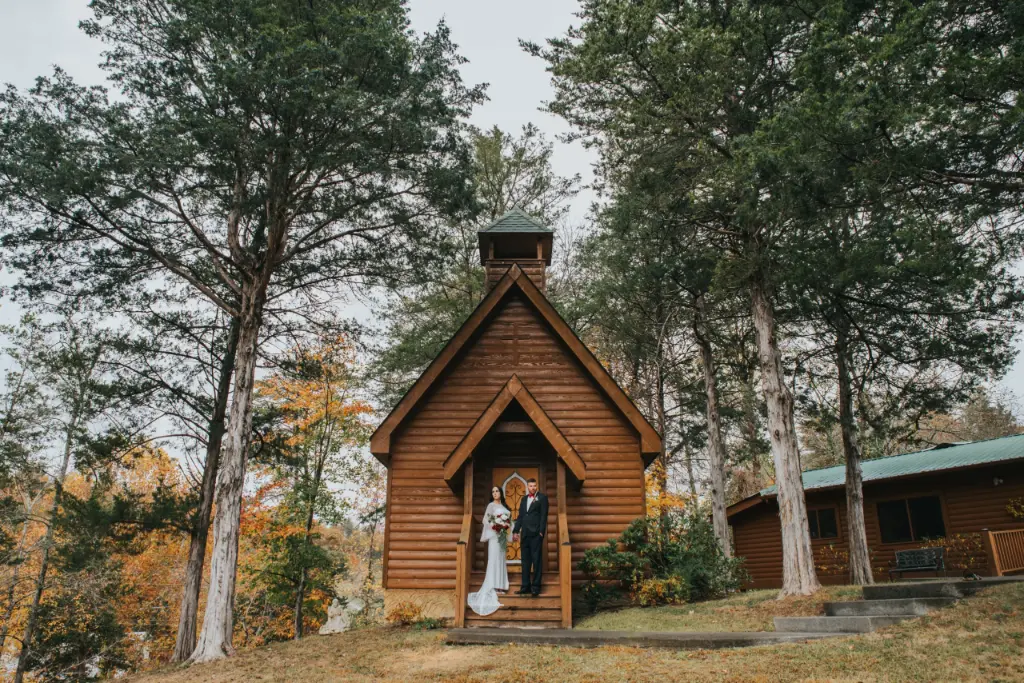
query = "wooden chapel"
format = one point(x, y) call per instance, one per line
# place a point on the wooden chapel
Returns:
point(514, 394)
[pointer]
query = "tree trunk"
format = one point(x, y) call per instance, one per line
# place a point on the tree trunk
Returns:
point(185, 641)
point(662, 472)
point(300, 594)
point(798, 576)
point(860, 556)
point(716, 447)
point(44, 563)
point(218, 620)
point(5, 628)
point(750, 432)
point(689, 472)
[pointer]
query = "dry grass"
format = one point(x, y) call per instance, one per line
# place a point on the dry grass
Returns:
point(750, 611)
point(980, 639)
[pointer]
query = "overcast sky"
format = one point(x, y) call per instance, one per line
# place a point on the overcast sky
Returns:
point(35, 35)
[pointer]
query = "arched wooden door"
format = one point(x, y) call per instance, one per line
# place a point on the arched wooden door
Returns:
point(512, 481)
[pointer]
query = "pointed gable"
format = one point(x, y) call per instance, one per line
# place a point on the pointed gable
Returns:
point(516, 285)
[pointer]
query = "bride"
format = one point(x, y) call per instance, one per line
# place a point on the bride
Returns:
point(485, 601)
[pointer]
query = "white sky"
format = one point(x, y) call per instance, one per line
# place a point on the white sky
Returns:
point(35, 35)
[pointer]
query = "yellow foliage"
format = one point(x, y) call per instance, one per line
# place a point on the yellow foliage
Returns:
point(669, 591)
point(404, 613)
point(319, 393)
point(660, 501)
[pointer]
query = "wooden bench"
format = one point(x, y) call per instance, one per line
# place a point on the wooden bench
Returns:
point(918, 560)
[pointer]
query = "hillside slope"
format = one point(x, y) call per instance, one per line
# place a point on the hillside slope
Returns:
point(979, 639)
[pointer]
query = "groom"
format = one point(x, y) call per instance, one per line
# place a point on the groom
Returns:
point(530, 526)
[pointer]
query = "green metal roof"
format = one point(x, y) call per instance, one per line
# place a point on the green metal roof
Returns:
point(935, 459)
point(516, 220)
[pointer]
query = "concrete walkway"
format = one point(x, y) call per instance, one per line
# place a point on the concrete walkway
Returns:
point(677, 640)
point(883, 605)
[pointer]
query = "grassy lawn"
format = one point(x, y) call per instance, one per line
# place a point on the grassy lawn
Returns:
point(749, 611)
point(980, 639)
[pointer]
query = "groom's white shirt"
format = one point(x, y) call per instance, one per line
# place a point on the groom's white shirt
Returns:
point(529, 502)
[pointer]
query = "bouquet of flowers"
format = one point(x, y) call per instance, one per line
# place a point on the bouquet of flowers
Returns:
point(501, 522)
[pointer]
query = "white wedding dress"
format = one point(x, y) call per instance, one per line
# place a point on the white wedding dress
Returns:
point(485, 600)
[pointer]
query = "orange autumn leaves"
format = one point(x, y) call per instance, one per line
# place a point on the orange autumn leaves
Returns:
point(314, 389)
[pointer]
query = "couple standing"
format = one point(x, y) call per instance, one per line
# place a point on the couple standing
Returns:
point(529, 529)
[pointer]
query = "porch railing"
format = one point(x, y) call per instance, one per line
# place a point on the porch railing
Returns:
point(564, 551)
point(1005, 550)
point(464, 550)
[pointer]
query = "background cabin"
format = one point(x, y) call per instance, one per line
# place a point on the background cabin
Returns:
point(955, 496)
point(514, 394)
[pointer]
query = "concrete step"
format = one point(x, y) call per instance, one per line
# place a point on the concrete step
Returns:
point(885, 608)
point(835, 624)
point(921, 589)
point(678, 640)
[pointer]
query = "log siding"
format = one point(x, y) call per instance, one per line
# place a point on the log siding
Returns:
point(424, 514)
point(971, 502)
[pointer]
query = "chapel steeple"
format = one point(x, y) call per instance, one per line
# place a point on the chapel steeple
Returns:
point(516, 238)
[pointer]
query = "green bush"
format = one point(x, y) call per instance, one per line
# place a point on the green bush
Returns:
point(428, 624)
point(668, 559)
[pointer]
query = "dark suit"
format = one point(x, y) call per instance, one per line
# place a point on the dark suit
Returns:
point(531, 525)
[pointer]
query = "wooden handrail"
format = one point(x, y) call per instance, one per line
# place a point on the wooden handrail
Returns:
point(464, 549)
point(1005, 550)
point(564, 551)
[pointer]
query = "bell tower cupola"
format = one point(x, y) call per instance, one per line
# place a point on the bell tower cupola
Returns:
point(516, 238)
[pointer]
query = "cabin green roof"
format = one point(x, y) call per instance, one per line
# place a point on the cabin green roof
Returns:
point(937, 459)
point(516, 220)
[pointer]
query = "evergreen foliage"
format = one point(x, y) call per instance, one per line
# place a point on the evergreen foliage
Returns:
point(676, 552)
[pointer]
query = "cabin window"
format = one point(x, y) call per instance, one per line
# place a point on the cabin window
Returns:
point(911, 519)
point(823, 523)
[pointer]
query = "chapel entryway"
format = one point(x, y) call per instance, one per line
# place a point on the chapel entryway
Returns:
point(509, 459)
point(512, 480)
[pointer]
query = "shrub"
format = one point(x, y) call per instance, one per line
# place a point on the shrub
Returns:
point(832, 561)
point(670, 591)
point(667, 559)
point(429, 624)
point(963, 551)
point(404, 614)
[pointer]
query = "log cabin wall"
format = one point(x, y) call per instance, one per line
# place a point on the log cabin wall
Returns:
point(970, 502)
point(424, 514)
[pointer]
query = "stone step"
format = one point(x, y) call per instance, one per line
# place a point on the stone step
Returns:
point(677, 640)
point(835, 624)
point(884, 608)
point(921, 589)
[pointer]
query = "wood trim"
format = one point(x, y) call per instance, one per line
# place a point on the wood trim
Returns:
point(564, 551)
point(514, 390)
point(839, 537)
point(387, 533)
point(744, 504)
point(464, 550)
point(991, 553)
point(905, 498)
point(650, 441)
point(380, 441)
